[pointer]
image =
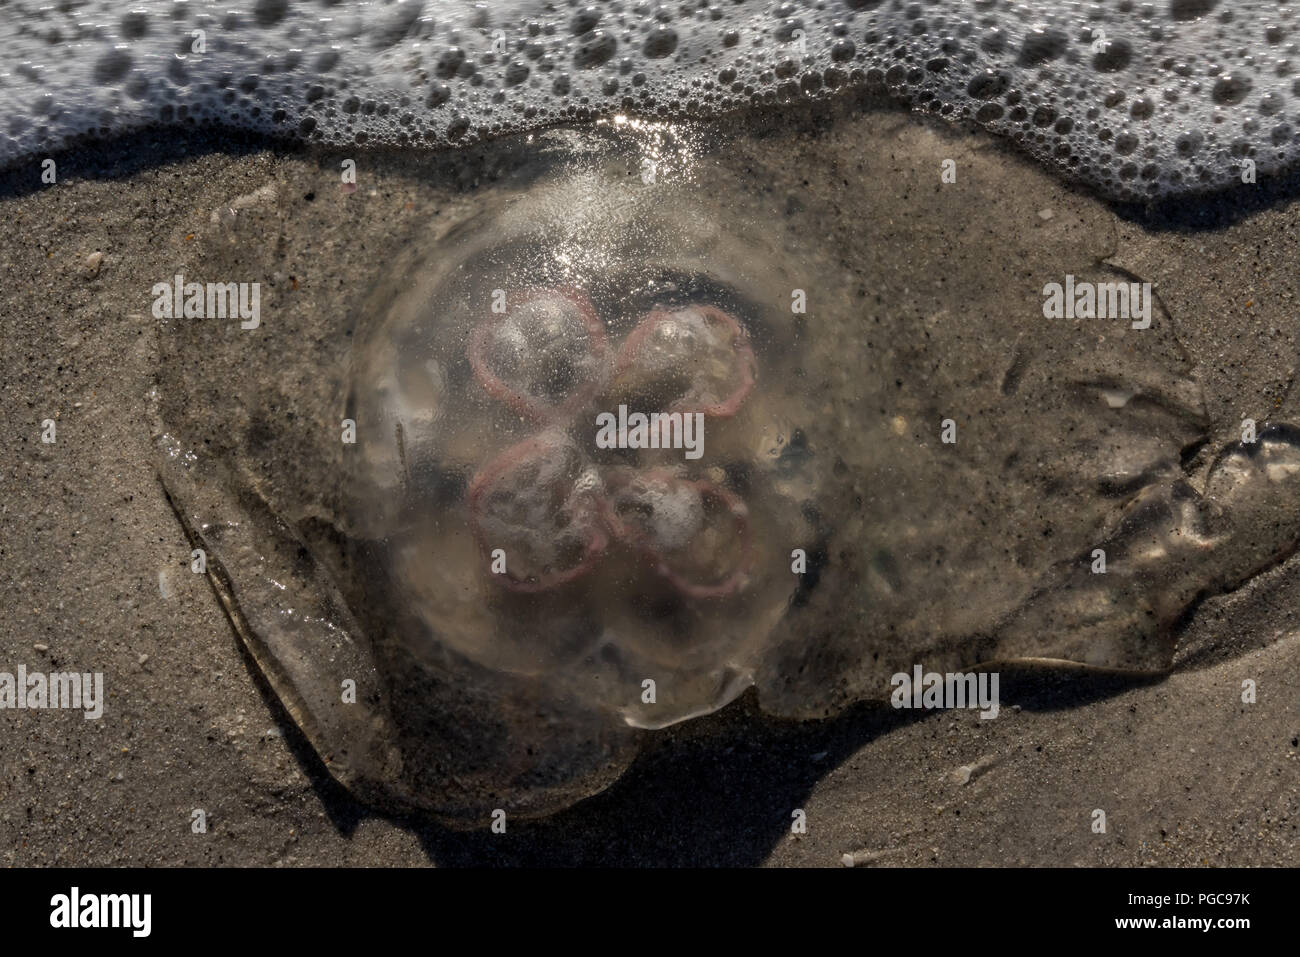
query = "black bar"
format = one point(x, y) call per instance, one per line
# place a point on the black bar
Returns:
point(329, 907)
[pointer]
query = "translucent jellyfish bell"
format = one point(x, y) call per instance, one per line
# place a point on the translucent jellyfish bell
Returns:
point(558, 421)
point(628, 445)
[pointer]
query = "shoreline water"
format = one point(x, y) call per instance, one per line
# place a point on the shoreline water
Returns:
point(1141, 101)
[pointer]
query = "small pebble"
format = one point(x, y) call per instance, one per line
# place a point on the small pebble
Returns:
point(862, 857)
point(226, 213)
point(40, 647)
point(265, 194)
point(1045, 214)
point(91, 266)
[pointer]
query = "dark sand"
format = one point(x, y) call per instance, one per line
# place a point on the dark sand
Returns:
point(1185, 772)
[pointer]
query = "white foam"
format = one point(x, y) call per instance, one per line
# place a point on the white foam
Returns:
point(1139, 99)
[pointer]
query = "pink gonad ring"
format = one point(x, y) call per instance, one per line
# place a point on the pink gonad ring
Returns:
point(696, 358)
point(694, 533)
point(539, 505)
point(545, 356)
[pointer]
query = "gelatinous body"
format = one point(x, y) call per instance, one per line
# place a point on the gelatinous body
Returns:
point(585, 407)
point(625, 448)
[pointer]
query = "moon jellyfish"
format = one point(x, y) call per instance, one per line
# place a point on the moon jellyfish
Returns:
point(621, 433)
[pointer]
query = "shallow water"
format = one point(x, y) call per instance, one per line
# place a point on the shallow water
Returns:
point(1139, 100)
point(372, 560)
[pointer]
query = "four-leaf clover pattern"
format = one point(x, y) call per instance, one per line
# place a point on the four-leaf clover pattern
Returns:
point(548, 504)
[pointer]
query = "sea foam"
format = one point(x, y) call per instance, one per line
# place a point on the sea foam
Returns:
point(1140, 100)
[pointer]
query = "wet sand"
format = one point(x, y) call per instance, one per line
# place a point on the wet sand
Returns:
point(1186, 773)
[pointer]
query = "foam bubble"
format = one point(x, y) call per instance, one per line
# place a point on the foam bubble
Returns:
point(1139, 99)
